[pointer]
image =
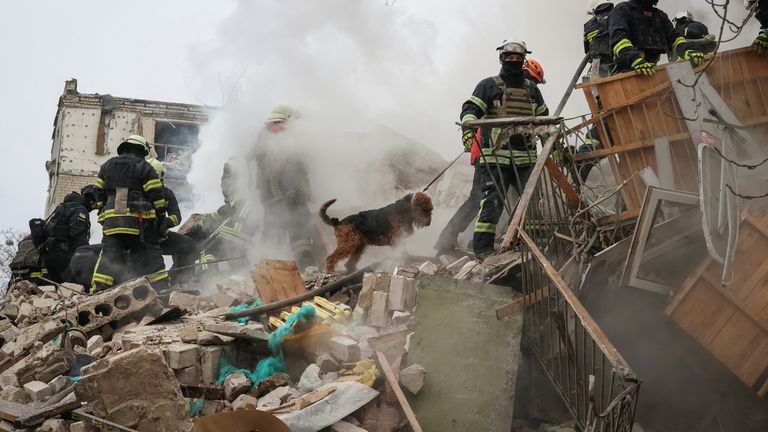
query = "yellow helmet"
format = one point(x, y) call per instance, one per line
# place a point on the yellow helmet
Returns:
point(135, 140)
point(282, 113)
point(158, 166)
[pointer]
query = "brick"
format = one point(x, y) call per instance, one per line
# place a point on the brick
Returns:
point(245, 401)
point(209, 364)
point(235, 385)
point(327, 363)
point(401, 292)
point(344, 349)
point(377, 315)
point(189, 334)
point(38, 390)
point(180, 356)
point(191, 375)
point(184, 301)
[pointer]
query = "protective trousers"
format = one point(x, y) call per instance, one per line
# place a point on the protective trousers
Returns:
point(464, 215)
point(495, 180)
point(56, 260)
point(294, 220)
point(184, 251)
point(126, 256)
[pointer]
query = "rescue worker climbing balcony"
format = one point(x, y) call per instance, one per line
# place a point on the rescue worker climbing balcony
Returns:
point(597, 39)
point(640, 33)
point(130, 195)
point(67, 229)
point(501, 164)
point(695, 32)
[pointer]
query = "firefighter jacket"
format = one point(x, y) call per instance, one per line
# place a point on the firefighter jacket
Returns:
point(641, 32)
point(597, 38)
point(281, 174)
point(762, 14)
point(498, 97)
point(172, 211)
point(69, 226)
point(237, 221)
point(128, 192)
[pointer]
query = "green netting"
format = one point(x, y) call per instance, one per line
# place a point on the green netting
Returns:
point(196, 407)
point(242, 307)
point(270, 365)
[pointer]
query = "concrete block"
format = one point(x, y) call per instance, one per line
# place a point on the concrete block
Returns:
point(209, 364)
point(235, 385)
point(455, 266)
point(15, 394)
point(137, 390)
point(245, 401)
point(180, 356)
point(189, 334)
point(428, 268)
point(377, 314)
point(344, 349)
point(38, 390)
point(123, 300)
point(184, 301)
point(191, 375)
point(326, 363)
point(402, 294)
point(59, 383)
point(95, 343)
point(412, 378)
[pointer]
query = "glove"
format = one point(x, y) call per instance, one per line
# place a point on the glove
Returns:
point(761, 43)
point(695, 57)
point(466, 139)
point(643, 67)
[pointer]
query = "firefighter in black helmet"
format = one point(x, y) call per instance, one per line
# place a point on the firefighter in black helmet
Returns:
point(130, 196)
point(67, 229)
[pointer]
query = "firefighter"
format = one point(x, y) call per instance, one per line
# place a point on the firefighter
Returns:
point(597, 39)
point(761, 13)
point(130, 198)
point(695, 32)
point(68, 228)
point(183, 249)
point(466, 213)
point(640, 33)
point(283, 182)
point(501, 164)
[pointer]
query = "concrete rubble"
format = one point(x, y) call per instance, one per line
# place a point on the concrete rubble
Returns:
point(107, 351)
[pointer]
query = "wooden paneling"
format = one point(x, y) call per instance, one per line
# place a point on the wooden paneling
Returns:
point(637, 110)
point(732, 321)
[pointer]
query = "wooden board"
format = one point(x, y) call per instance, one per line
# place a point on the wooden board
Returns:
point(731, 321)
point(637, 110)
point(277, 280)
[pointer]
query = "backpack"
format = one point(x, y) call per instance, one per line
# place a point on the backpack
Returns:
point(37, 231)
point(26, 256)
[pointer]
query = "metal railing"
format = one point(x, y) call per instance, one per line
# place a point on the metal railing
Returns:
point(551, 230)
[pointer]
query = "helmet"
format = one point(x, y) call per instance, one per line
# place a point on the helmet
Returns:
point(158, 166)
point(593, 5)
point(512, 45)
point(282, 113)
point(682, 15)
point(136, 141)
point(534, 68)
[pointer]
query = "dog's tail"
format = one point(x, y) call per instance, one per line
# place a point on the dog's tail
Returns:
point(324, 216)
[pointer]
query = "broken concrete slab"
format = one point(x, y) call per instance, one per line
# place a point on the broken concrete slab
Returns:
point(277, 280)
point(343, 426)
point(455, 266)
point(184, 301)
point(346, 398)
point(463, 313)
point(277, 397)
point(236, 384)
point(252, 332)
point(15, 394)
point(466, 270)
point(412, 378)
point(100, 309)
point(119, 392)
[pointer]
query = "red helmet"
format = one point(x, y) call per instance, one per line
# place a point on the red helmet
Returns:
point(535, 70)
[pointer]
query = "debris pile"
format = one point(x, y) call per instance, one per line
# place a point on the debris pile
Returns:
point(165, 361)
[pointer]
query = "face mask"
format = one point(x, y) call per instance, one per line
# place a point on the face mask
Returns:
point(512, 68)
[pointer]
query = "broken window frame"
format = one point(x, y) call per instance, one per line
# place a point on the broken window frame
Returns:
point(654, 196)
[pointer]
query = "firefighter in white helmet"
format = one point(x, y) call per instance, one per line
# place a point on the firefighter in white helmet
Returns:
point(695, 32)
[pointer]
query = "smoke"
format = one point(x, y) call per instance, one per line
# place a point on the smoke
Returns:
point(351, 66)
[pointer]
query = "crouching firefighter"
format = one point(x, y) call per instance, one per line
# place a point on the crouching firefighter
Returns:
point(183, 249)
point(67, 229)
point(130, 198)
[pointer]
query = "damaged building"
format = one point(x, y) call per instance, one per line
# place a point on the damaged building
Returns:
point(88, 128)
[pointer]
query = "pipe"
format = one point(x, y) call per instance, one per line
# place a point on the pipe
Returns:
point(569, 90)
